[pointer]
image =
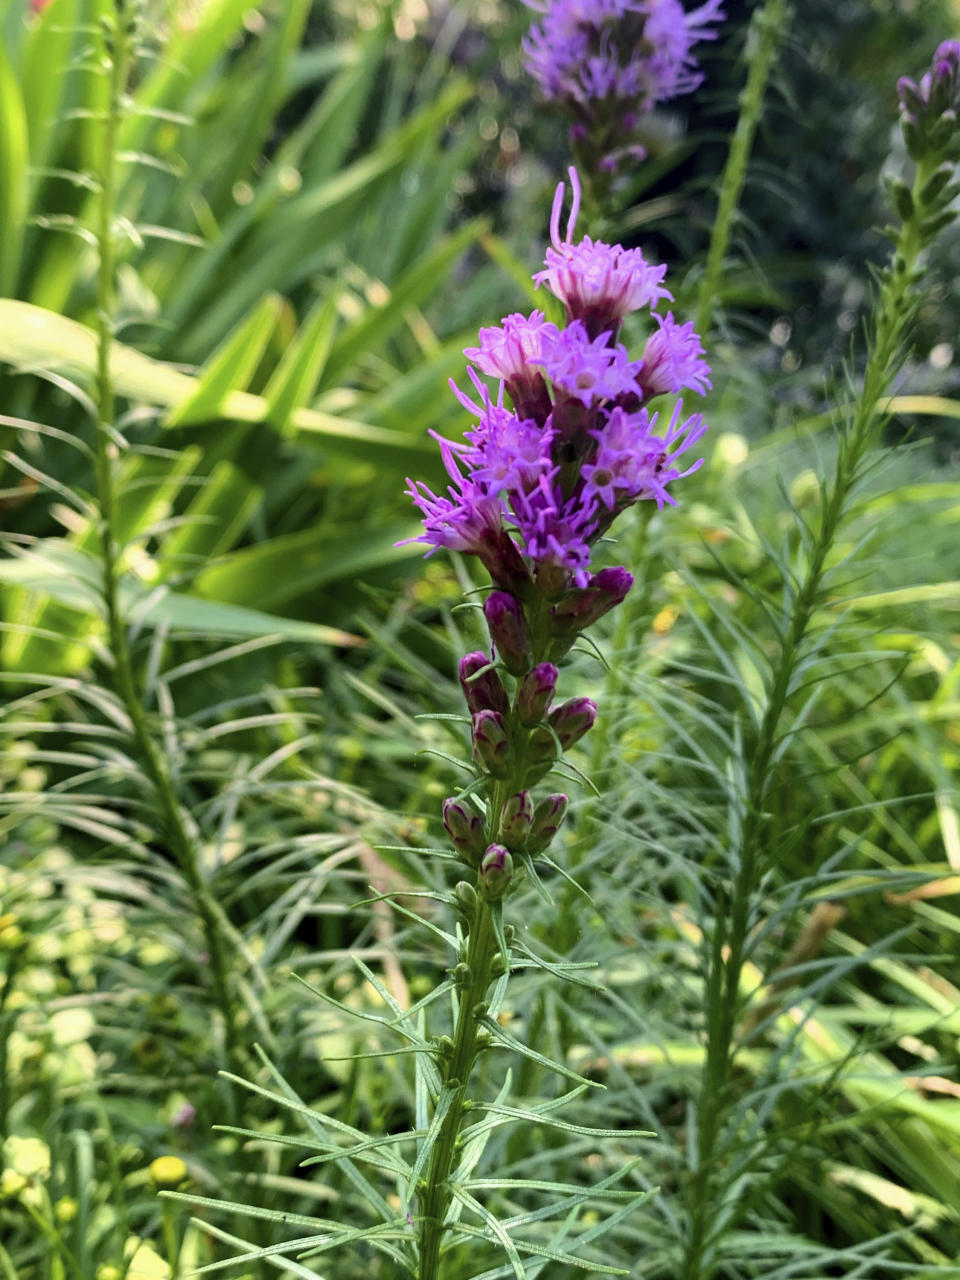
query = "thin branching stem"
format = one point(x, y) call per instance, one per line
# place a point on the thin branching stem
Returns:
point(734, 908)
point(763, 39)
point(120, 36)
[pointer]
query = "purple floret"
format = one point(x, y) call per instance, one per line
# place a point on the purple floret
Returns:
point(597, 283)
point(589, 371)
point(673, 359)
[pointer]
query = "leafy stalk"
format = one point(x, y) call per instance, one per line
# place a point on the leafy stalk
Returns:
point(119, 32)
point(763, 39)
point(734, 915)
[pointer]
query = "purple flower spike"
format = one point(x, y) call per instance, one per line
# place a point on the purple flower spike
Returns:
point(597, 283)
point(589, 53)
point(673, 359)
point(571, 720)
point(509, 631)
point(481, 684)
point(929, 110)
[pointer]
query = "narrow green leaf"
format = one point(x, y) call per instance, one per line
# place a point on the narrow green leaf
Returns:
point(296, 376)
point(231, 367)
point(14, 162)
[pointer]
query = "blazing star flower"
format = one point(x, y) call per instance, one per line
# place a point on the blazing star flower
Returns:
point(929, 110)
point(673, 359)
point(632, 463)
point(506, 352)
point(597, 283)
point(532, 493)
point(588, 371)
point(556, 531)
point(466, 520)
point(637, 52)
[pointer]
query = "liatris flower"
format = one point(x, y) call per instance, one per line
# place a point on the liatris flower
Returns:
point(607, 63)
point(534, 488)
point(929, 110)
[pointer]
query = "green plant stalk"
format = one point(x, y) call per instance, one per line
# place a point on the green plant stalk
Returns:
point(469, 1038)
point(120, 37)
point(436, 1196)
point(763, 39)
point(733, 912)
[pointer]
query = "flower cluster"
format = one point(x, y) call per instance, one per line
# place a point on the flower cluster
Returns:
point(609, 62)
point(929, 110)
point(534, 486)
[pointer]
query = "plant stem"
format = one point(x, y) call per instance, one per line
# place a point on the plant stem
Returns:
point(763, 37)
point(182, 845)
point(458, 1067)
point(734, 915)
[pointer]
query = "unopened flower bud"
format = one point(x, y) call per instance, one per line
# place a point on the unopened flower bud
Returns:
point(537, 692)
point(581, 609)
point(540, 755)
point(571, 720)
point(496, 872)
point(547, 819)
point(516, 819)
point(465, 829)
point(481, 684)
point(491, 743)
point(466, 897)
point(509, 631)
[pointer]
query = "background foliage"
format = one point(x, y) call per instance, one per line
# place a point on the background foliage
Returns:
point(322, 204)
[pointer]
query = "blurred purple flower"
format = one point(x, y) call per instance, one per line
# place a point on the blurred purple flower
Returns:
point(631, 53)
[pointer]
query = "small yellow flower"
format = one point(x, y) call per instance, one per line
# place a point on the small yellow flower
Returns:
point(168, 1171)
point(65, 1210)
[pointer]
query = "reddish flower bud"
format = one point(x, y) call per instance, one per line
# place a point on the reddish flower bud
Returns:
point(581, 609)
point(547, 819)
point(496, 872)
point(516, 819)
point(537, 692)
point(491, 743)
point(465, 829)
point(571, 720)
point(481, 684)
point(509, 631)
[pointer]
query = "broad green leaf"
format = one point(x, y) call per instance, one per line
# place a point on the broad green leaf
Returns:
point(296, 376)
point(32, 337)
point(231, 367)
point(417, 283)
point(212, 522)
point(161, 607)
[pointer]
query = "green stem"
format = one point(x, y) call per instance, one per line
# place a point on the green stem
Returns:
point(458, 1067)
point(120, 38)
point(763, 38)
point(734, 910)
